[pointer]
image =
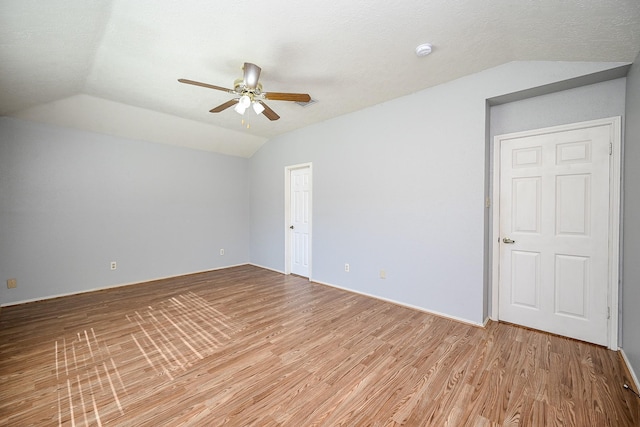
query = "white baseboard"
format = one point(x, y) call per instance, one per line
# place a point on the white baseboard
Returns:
point(119, 285)
point(266, 268)
point(436, 313)
point(630, 368)
point(414, 307)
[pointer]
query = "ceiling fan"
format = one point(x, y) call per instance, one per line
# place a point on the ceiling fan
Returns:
point(249, 94)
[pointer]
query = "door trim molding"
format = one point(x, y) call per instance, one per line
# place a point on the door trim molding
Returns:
point(615, 158)
point(287, 214)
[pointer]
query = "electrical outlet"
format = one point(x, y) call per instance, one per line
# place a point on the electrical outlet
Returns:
point(346, 268)
point(383, 274)
point(12, 283)
point(113, 265)
point(221, 251)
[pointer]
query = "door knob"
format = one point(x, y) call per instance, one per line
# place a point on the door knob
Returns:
point(507, 240)
point(291, 227)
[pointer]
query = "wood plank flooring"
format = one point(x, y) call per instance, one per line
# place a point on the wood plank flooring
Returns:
point(246, 346)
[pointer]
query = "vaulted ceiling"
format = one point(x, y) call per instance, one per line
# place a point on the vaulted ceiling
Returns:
point(112, 66)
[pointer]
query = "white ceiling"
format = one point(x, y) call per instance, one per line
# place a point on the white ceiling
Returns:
point(112, 66)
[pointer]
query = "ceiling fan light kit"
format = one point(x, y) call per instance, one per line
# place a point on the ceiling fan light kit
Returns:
point(257, 107)
point(249, 93)
point(239, 109)
point(243, 103)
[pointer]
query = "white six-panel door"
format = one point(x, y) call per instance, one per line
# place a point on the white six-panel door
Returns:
point(300, 180)
point(554, 231)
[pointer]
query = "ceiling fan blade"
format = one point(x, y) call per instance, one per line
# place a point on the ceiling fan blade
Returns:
point(280, 96)
point(268, 112)
point(224, 106)
point(207, 85)
point(251, 75)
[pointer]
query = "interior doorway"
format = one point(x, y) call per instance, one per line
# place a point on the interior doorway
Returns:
point(556, 229)
point(298, 209)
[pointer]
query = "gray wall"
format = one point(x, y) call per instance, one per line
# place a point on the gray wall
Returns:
point(72, 201)
point(399, 186)
point(590, 102)
point(631, 220)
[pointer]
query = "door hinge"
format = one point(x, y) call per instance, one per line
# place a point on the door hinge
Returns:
point(487, 202)
point(610, 148)
point(608, 312)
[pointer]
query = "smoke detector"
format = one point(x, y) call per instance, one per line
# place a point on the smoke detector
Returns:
point(424, 49)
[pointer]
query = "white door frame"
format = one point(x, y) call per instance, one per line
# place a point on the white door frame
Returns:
point(614, 214)
point(287, 214)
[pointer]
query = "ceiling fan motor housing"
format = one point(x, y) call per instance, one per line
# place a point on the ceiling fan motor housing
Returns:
point(241, 89)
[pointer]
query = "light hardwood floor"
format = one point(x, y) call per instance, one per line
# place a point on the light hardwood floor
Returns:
point(246, 346)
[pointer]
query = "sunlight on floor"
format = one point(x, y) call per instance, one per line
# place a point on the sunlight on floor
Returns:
point(162, 340)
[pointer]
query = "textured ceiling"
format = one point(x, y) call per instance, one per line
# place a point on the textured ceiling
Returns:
point(112, 66)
